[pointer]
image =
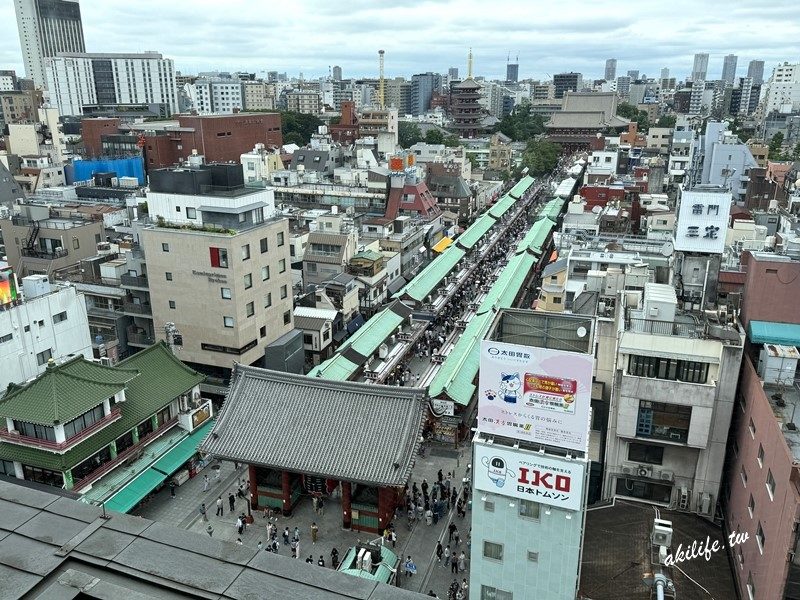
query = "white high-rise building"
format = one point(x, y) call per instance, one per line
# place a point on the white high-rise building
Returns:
point(782, 92)
point(216, 95)
point(79, 80)
point(700, 68)
point(47, 27)
point(611, 69)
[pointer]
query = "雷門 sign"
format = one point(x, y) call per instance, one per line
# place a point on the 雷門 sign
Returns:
point(528, 476)
point(535, 394)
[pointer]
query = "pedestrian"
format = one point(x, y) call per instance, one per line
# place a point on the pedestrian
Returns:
point(310, 560)
point(231, 501)
point(286, 537)
point(259, 545)
point(424, 487)
point(203, 511)
point(464, 587)
point(462, 562)
point(454, 563)
point(297, 545)
point(321, 561)
point(335, 558)
point(239, 541)
point(411, 568)
point(457, 537)
point(210, 530)
point(217, 474)
point(314, 530)
point(220, 508)
point(239, 525)
point(320, 506)
point(429, 517)
point(393, 537)
point(275, 545)
point(293, 546)
point(171, 489)
point(439, 476)
point(206, 483)
point(451, 529)
point(446, 556)
point(439, 551)
point(296, 533)
point(453, 498)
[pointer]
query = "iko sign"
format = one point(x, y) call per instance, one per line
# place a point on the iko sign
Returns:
point(535, 394)
point(703, 221)
point(529, 476)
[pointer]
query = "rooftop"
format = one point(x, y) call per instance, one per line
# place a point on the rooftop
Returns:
point(334, 420)
point(54, 547)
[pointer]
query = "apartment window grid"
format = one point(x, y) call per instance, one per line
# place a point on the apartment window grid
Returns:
point(658, 367)
point(659, 420)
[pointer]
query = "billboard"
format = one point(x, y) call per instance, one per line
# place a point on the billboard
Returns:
point(528, 475)
point(8, 286)
point(535, 394)
point(702, 221)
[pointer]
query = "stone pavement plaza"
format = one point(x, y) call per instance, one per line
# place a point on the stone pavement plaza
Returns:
point(419, 542)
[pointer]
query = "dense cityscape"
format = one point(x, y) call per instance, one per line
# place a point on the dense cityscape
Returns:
point(462, 333)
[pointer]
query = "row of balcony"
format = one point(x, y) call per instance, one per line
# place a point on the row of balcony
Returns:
point(14, 437)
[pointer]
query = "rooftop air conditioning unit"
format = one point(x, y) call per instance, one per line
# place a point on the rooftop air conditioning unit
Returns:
point(662, 533)
point(667, 475)
point(644, 471)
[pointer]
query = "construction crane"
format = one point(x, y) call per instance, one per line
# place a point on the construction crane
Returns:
point(380, 79)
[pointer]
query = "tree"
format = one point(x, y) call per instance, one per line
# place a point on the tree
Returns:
point(297, 128)
point(630, 112)
point(541, 156)
point(775, 145)
point(451, 141)
point(667, 121)
point(796, 152)
point(434, 136)
point(408, 134)
point(520, 125)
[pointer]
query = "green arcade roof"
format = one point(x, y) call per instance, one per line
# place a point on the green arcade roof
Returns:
point(522, 186)
point(135, 491)
point(770, 332)
point(475, 231)
point(431, 276)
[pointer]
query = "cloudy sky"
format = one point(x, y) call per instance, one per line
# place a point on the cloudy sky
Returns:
point(308, 36)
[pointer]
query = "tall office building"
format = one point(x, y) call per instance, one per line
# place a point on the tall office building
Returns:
point(633, 74)
point(512, 72)
point(337, 73)
point(47, 27)
point(452, 73)
point(566, 82)
point(729, 69)
point(755, 71)
point(700, 67)
point(422, 87)
point(665, 73)
point(611, 69)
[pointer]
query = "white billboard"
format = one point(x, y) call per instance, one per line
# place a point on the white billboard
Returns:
point(529, 476)
point(703, 221)
point(535, 394)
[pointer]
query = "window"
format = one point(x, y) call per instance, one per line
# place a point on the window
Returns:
point(250, 309)
point(751, 506)
point(44, 476)
point(284, 293)
point(168, 275)
point(262, 331)
point(488, 505)
point(308, 338)
point(59, 317)
point(751, 588)
point(291, 251)
point(246, 252)
point(668, 368)
point(751, 427)
point(268, 300)
point(491, 593)
point(264, 273)
point(125, 441)
point(556, 299)
point(7, 468)
point(177, 209)
point(164, 247)
point(227, 321)
point(743, 475)
point(312, 267)
point(280, 239)
point(282, 265)
point(287, 317)
point(6, 338)
point(492, 550)
point(172, 304)
point(663, 421)
point(770, 484)
point(264, 245)
point(760, 458)
point(529, 509)
point(533, 556)
point(645, 453)
point(242, 217)
point(248, 281)
point(43, 356)
point(760, 538)
point(40, 432)
point(326, 335)
point(219, 257)
point(87, 419)
point(76, 243)
point(225, 293)
point(145, 428)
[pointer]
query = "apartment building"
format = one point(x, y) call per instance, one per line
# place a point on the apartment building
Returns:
point(214, 261)
point(305, 102)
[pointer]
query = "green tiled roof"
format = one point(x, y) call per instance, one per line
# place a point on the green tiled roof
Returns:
point(374, 332)
point(64, 392)
point(337, 368)
point(431, 276)
point(537, 236)
point(162, 377)
point(521, 187)
point(368, 255)
point(552, 209)
point(501, 206)
point(475, 231)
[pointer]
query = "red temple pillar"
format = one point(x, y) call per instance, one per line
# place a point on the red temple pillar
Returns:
point(286, 484)
point(347, 512)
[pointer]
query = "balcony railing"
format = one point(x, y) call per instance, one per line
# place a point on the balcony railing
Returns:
point(650, 326)
point(140, 309)
point(122, 456)
point(133, 281)
point(140, 339)
point(60, 447)
point(44, 254)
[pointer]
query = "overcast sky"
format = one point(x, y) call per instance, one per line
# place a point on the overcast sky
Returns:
point(418, 36)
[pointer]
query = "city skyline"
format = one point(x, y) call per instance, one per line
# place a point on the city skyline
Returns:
point(232, 37)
